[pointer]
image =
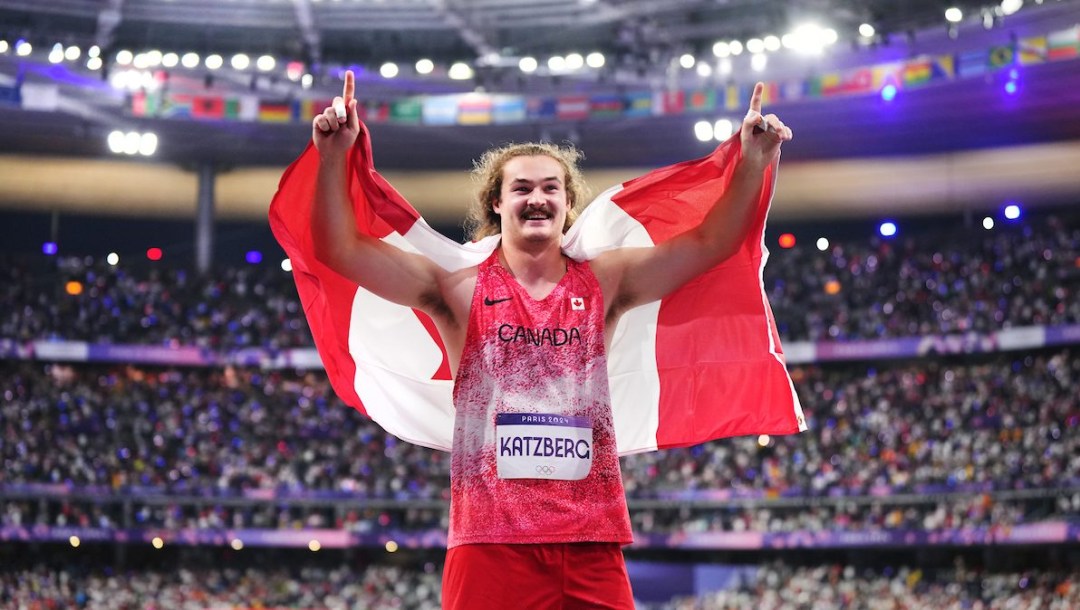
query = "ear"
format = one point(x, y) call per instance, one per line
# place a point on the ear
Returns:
point(495, 205)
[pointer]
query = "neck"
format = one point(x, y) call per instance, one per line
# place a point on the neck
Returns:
point(531, 266)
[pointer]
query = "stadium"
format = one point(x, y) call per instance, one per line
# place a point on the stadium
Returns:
point(170, 436)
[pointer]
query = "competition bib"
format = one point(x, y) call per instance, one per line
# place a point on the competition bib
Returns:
point(543, 446)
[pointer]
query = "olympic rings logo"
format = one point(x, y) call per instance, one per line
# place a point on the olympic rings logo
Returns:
point(545, 470)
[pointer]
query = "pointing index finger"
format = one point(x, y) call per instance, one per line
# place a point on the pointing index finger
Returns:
point(350, 87)
point(755, 99)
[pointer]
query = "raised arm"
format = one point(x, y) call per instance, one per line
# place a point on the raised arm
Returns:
point(402, 277)
point(635, 276)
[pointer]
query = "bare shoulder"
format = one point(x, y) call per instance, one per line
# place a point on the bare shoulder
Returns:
point(610, 270)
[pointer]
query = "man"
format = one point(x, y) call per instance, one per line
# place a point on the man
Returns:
point(538, 512)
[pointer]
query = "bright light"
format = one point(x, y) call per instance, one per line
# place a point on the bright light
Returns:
point(154, 254)
point(72, 53)
point(314, 545)
point(240, 61)
point(888, 92)
point(3, 46)
point(23, 48)
point(157, 542)
point(724, 67)
point(113, 259)
point(286, 265)
point(153, 58)
point(721, 49)
point(265, 63)
point(237, 544)
point(574, 61)
point(73, 287)
point(704, 70)
point(391, 546)
point(294, 70)
point(822, 244)
point(595, 60)
point(557, 63)
point(74, 541)
point(116, 141)
point(388, 70)
point(722, 129)
point(887, 229)
point(1008, 7)
point(306, 81)
point(687, 61)
point(94, 51)
point(214, 61)
point(1010, 87)
point(460, 71)
point(148, 144)
point(988, 223)
point(787, 240)
point(763, 440)
point(755, 45)
point(954, 15)
point(169, 60)
point(253, 257)
point(424, 66)
point(94, 63)
point(49, 248)
point(735, 47)
point(703, 131)
point(772, 43)
point(866, 30)
point(132, 141)
point(189, 60)
point(57, 54)
point(758, 62)
point(1012, 211)
point(527, 65)
point(141, 61)
point(809, 38)
point(124, 57)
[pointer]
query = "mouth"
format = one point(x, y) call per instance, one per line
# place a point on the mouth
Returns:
point(537, 216)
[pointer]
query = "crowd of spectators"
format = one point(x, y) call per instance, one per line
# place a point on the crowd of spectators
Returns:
point(827, 587)
point(770, 587)
point(1001, 425)
point(945, 281)
point(376, 587)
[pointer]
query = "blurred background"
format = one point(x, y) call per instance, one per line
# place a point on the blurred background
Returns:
point(168, 438)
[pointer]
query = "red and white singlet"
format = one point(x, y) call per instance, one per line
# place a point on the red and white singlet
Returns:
point(534, 458)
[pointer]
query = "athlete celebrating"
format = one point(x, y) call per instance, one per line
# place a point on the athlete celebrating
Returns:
point(538, 512)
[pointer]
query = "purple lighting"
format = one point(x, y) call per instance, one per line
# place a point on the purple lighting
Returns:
point(888, 92)
point(253, 257)
point(49, 248)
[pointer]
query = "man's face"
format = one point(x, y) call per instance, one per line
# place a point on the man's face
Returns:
point(533, 202)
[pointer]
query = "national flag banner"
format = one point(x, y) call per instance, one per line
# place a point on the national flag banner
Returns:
point(702, 100)
point(508, 109)
point(1032, 50)
point(541, 108)
point(944, 67)
point(917, 72)
point(793, 90)
point(145, 104)
point(177, 105)
point(9, 95)
point(606, 106)
point(207, 107)
point(1002, 56)
point(572, 108)
point(407, 110)
point(733, 97)
point(972, 63)
point(672, 102)
point(374, 111)
point(852, 82)
point(440, 110)
point(1063, 44)
point(275, 111)
point(233, 108)
point(40, 96)
point(639, 104)
point(249, 108)
point(888, 73)
point(474, 109)
point(313, 106)
point(703, 363)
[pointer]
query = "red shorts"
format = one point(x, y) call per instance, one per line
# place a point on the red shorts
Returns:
point(536, 577)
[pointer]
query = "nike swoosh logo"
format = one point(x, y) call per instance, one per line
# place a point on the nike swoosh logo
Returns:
point(489, 301)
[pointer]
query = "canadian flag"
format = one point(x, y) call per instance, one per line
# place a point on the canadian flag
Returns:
point(577, 303)
point(703, 363)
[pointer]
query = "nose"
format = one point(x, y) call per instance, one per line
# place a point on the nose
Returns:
point(536, 197)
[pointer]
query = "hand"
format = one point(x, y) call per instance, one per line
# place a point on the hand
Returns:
point(762, 146)
point(333, 133)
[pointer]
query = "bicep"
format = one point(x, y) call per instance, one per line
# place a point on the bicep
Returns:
point(636, 276)
point(405, 278)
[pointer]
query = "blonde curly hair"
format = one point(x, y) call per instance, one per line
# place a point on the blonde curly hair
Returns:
point(481, 219)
